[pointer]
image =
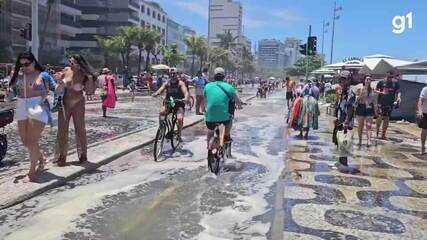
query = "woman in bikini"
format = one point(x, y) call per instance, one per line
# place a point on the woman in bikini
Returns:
point(77, 81)
point(31, 109)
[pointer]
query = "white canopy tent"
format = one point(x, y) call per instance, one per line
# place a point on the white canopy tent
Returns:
point(381, 64)
point(323, 71)
point(354, 64)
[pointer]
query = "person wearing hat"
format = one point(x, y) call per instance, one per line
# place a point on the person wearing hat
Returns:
point(219, 98)
point(109, 88)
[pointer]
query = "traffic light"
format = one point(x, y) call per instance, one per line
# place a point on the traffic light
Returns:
point(303, 49)
point(25, 32)
point(312, 46)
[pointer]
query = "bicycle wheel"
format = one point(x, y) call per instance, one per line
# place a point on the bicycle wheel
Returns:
point(158, 142)
point(176, 137)
point(214, 160)
point(227, 149)
point(3, 146)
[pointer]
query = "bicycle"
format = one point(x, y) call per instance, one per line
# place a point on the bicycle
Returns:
point(6, 118)
point(218, 150)
point(168, 129)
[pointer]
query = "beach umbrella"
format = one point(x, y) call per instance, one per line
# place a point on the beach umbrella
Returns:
point(160, 67)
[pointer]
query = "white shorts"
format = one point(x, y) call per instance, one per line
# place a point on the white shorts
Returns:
point(31, 108)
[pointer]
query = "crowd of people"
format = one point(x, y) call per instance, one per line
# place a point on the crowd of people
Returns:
point(41, 91)
point(303, 108)
point(31, 84)
point(366, 105)
point(71, 86)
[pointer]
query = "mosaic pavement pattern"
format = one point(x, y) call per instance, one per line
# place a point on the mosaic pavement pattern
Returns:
point(126, 118)
point(387, 199)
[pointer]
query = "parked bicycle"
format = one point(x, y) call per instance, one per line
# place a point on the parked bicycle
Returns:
point(219, 149)
point(168, 129)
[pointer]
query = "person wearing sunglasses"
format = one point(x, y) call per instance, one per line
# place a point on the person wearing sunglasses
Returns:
point(32, 113)
point(77, 81)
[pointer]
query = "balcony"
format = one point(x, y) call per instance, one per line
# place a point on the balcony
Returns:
point(134, 4)
point(69, 3)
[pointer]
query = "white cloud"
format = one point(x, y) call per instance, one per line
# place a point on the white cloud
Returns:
point(198, 7)
point(287, 16)
point(254, 23)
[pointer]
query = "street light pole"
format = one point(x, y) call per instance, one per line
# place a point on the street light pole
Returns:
point(333, 28)
point(307, 56)
point(35, 28)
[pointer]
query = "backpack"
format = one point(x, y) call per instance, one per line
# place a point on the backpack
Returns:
point(231, 101)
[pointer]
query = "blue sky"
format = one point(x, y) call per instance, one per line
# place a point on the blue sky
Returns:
point(364, 28)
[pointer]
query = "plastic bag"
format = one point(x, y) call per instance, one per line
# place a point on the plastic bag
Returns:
point(345, 140)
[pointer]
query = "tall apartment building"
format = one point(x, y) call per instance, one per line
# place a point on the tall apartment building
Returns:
point(69, 25)
point(175, 35)
point(188, 32)
point(271, 54)
point(6, 51)
point(224, 15)
point(292, 51)
point(16, 15)
point(153, 16)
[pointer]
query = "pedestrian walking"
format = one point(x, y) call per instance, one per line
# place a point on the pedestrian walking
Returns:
point(305, 114)
point(365, 110)
point(388, 98)
point(32, 112)
point(200, 82)
point(344, 122)
point(290, 88)
point(109, 88)
point(126, 77)
point(422, 118)
point(311, 89)
point(76, 82)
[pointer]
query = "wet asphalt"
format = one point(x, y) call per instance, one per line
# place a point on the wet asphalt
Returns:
point(275, 186)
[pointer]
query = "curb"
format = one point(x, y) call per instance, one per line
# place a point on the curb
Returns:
point(90, 167)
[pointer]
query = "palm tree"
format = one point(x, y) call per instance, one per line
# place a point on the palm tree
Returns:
point(106, 45)
point(202, 52)
point(119, 46)
point(140, 41)
point(151, 43)
point(193, 43)
point(128, 35)
point(171, 55)
point(226, 39)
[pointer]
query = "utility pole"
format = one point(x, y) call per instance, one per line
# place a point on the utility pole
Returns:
point(35, 28)
point(324, 25)
point(307, 56)
point(209, 40)
point(336, 17)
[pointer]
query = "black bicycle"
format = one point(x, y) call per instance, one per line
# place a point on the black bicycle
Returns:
point(219, 149)
point(168, 129)
point(6, 118)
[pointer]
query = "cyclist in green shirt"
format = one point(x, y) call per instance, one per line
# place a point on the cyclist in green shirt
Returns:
point(217, 96)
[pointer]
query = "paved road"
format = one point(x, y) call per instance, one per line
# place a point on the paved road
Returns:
point(258, 196)
point(128, 117)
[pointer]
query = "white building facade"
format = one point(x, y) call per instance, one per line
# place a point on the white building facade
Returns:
point(271, 54)
point(292, 51)
point(224, 15)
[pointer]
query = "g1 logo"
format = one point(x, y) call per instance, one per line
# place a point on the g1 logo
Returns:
point(399, 23)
